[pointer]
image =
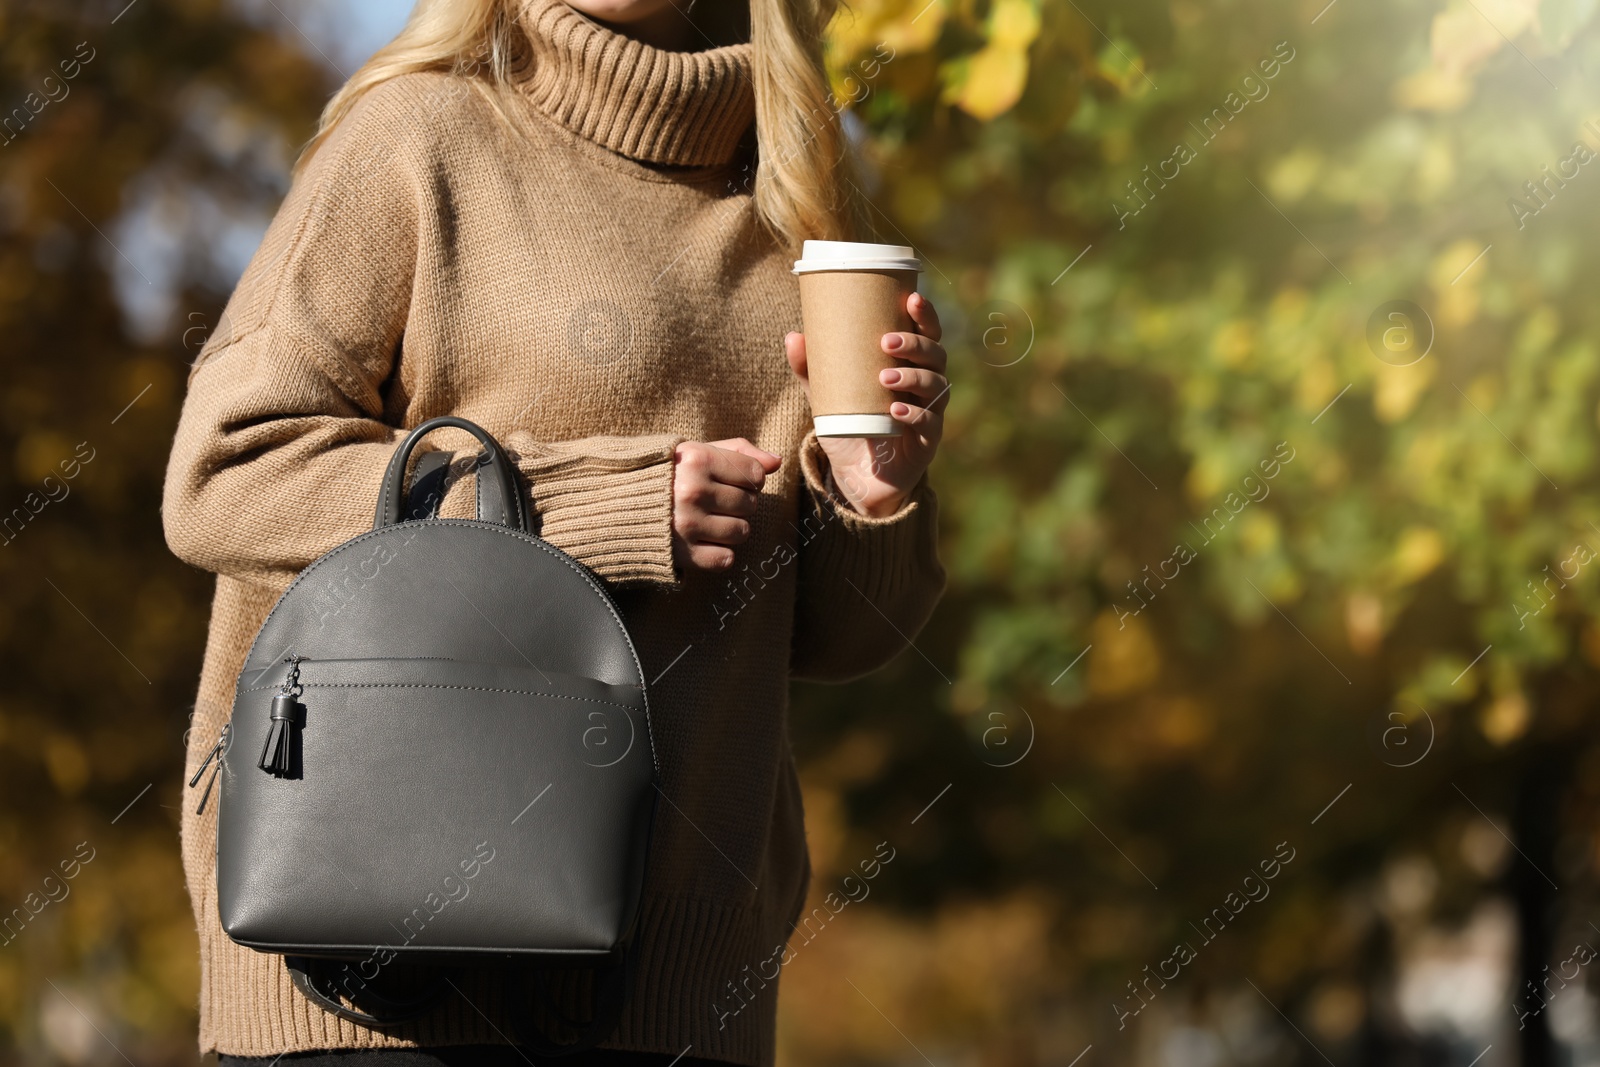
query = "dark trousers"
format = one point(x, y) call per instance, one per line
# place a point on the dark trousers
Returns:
point(463, 1056)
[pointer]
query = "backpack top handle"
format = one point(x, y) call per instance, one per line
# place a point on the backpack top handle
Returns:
point(499, 497)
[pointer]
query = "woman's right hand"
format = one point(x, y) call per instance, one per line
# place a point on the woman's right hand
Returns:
point(714, 492)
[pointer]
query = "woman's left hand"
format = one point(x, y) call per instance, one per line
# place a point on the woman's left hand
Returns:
point(876, 475)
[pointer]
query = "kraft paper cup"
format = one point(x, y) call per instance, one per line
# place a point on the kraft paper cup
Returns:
point(851, 294)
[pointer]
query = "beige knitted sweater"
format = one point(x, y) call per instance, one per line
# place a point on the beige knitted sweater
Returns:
point(592, 291)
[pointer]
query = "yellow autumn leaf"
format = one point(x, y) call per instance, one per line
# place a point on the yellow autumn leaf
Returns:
point(994, 82)
point(1459, 306)
point(1432, 89)
point(1205, 478)
point(1289, 305)
point(1125, 657)
point(1505, 719)
point(1445, 271)
point(1454, 275)
point(1259, 532)
point(853, 30)
point(1013, 24)
point(1436, 169)
point(1462, 38)
point(40, 454)
point(1509, 17)
point(998, 72)
point(1425, 457)
point(1155, 326)
point(1330, 470)
point(1484, 392)
point(67, 764)
point(1397, 389)
point(1233, 342)
point(1316, 386)
point(1180, 723)
point(1419, 550)
point(1363, 622)
point(1291, 177)
point(915, 27)
point(870, 33)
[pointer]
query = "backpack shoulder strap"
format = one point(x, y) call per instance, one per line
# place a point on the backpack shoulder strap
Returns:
point(611, 982)
point(356, 1000)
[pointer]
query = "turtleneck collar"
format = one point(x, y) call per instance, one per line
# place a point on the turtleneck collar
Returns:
point(642, 102)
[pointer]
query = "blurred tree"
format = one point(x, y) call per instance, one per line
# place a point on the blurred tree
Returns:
point(1317, 544)
point(136, 141)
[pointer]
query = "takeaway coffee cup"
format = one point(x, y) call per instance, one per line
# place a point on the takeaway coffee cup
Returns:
point(851, 294)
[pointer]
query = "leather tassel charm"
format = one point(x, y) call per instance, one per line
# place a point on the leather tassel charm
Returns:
point(277, 753)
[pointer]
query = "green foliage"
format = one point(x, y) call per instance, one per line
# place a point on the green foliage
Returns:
point(1391, 575)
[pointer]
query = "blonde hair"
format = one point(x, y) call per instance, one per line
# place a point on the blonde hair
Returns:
point(803, 189)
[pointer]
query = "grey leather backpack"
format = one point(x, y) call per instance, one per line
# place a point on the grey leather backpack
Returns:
point(440, 755)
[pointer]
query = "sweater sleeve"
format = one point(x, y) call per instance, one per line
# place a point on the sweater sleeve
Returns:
point(606, 501)
point(283, 438)
point(866, 585)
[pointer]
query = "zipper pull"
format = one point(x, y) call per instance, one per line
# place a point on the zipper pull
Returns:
point(214, 754)
point(277, 752)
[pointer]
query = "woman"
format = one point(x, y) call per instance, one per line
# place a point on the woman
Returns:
point(541, 217)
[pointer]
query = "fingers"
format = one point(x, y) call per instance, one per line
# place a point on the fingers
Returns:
point(708, 557)
point(713, 498)
point(927, 420)
point(707, 540)
point(932, 389)
point(767, 460)
point(701, 529)
point(794, 349)
point(715, 492)
point(709, 521)
point(916, 348)
point(697, 461)
point(923, 314)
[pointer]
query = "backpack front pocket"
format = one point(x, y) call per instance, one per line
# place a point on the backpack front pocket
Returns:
point(512, 805)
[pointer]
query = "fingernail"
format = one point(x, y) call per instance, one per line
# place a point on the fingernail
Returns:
point(892, 341)
point(899, 409)
point(889, 377)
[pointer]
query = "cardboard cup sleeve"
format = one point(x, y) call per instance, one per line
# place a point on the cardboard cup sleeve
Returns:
point(851, 294)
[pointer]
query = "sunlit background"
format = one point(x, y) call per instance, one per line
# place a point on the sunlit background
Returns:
point(1259, 724)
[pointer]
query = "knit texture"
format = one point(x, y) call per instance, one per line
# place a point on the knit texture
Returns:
point(592, 286)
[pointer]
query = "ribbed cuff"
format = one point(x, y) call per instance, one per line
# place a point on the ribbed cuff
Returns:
point(605, 501)
point(617, 524)
point(696, 982)
point(881, 557)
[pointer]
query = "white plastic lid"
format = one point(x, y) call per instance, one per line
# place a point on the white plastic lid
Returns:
point(856, 426)
point(854, 255)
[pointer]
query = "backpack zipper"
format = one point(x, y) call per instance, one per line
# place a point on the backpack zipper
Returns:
point(214, 754)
